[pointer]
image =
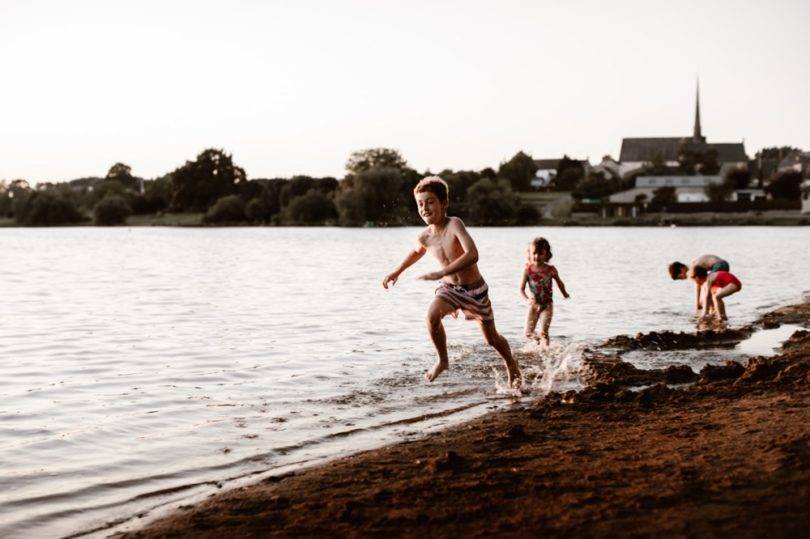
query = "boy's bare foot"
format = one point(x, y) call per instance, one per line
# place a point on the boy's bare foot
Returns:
point(434, 372)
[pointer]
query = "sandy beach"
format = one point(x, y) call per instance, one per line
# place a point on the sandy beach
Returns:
point(720, 452)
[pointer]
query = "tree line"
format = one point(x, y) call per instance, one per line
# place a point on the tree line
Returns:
point(376, 189)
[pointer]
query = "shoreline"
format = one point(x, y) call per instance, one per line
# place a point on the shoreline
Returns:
point(722, 452)
point(766, 218)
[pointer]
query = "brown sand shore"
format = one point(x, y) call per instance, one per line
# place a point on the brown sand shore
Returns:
point(727, 455)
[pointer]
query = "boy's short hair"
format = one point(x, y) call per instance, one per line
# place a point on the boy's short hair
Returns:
point(675, 270)
point(435, 185)
point(700, 271)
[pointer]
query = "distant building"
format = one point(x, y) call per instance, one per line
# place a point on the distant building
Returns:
point(547, 171)
point(687, 188)
point(638, 152)
point(798, 161)
point(806, 196)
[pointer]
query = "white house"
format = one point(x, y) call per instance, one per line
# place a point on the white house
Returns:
point(687, 188)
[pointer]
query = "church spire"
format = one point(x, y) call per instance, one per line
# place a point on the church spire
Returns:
point(697, 136)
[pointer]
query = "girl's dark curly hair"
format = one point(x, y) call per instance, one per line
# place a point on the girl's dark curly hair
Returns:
point(541, 244)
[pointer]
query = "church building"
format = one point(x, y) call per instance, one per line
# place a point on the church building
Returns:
point(637, 152)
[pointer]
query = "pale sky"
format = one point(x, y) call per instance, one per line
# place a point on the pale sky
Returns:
point(293, 87)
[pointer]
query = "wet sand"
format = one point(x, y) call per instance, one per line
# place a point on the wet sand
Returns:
point(726, 452)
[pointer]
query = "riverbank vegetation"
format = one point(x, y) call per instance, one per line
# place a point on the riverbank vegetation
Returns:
point(375, 191)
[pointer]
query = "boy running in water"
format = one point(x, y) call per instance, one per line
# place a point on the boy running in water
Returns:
point(462, 288)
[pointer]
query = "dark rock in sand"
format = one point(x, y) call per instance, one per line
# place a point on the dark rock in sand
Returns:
point(679, 374)
point(670, 340)
point(448, 462)
point(713, 373)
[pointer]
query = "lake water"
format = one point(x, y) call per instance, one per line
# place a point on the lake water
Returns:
point(150, 366)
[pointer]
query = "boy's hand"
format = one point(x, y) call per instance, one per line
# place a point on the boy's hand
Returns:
point(566, 295)
point(390, 278)
point(432, 276)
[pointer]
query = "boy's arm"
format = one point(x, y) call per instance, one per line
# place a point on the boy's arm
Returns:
point(466, 260)
point(523, 281)
point(415, 254)
point(698, 304)
point(560, 284)
point(707, 295)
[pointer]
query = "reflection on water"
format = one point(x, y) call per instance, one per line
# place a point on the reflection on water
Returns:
point(152, 364)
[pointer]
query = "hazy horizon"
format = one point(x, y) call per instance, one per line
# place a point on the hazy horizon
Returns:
point(295, 88)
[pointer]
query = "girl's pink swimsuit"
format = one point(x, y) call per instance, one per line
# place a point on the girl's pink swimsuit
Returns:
point(723, 278)
point(540, 284)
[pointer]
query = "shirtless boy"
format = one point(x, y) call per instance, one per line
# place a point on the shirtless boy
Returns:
point(462, 288)
point(711, 263)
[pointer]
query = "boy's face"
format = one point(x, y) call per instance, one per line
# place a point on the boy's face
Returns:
point(431, 209)
point(684, 273)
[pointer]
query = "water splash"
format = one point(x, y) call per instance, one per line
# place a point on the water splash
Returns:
point(555, 368)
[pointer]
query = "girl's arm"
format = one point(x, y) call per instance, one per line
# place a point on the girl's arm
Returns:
point(560, 284)
point(523, 281)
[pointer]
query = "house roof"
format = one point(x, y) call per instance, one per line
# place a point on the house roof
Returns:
point(647, 149)
point(547, 164)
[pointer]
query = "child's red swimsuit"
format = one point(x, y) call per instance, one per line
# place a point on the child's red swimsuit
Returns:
point(540, 284)
point(723, 278)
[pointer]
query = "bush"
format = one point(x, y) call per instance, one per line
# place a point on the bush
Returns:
point(257, 211)
point(228, 209)
point(491, 203)
point(527, 215)
point(312, 208)
point(111, 210)
point(43, 208)
point(786, 185)
point(350, 207)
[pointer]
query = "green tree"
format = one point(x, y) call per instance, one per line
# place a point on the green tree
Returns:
point(123, 174)
point(351, 207)
point(197, 184)
point(664, 196)
point(718, 192)
point(256, 210)
point(382, 195)
point(785, 185)
point(518, 171)
point(569, 173)
point(596, 186)
point(228, 209)
point(775, 152)
point(738, 178)
point(111, 210)
point(491, 202)
point(527, 215)
point(708, 162)
point(364, 160)
point(311, 208)
point(459, 182)
point(51, 206)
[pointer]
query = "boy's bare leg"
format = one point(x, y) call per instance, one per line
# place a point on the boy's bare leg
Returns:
point(545, 323)
point(438, 310)
point(497, 341)
point(531, 320)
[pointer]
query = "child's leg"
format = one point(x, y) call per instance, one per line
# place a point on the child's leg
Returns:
point(545, 322)
point(719, 293)
point(531, 319)
point(438, 310)
point(500, 344)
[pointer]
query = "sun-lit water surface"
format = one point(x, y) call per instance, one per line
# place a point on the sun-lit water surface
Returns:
point(147, 365)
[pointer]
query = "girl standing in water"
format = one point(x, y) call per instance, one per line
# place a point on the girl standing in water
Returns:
point(538, 274)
